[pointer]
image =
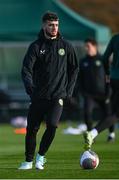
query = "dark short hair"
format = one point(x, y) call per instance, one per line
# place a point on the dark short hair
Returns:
point(50, 16)
point(91, 40)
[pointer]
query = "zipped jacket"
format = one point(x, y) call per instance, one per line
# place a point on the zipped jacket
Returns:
point(50, 68)
point(92, 76)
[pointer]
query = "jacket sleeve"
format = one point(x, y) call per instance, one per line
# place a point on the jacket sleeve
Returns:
point(106, 56)
point(72, 70)
point(81, 86)
point(27, 69)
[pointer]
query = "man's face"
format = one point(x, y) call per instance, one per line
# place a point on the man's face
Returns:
point(91, 49)
point(51, 28)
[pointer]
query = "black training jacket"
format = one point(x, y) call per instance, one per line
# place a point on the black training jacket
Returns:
point(112, 48)
point(49, 68)
point(92, 76)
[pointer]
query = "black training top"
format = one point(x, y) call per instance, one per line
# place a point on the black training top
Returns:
point(92, 76)
point(49, 68)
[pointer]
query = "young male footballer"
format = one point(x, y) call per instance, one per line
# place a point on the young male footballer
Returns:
point(93, 85)
point(112, 72)
point(49, 73)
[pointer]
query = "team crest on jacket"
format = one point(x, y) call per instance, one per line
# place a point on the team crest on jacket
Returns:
point(98, 63)
point(61, 52)
point(85, 64)
point(61, 102)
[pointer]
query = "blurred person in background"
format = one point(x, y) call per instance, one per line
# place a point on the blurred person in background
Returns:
point(93, 86)
point(112, 76)
point(49, 73)
point(72, 111)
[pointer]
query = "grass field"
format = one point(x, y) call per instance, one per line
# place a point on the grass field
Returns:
point(62, 157)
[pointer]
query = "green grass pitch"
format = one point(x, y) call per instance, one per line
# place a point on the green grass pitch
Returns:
point(62, 157)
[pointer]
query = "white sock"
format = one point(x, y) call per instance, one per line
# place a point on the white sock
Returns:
point(41, 157)
point(94, 133)
point(112, 135)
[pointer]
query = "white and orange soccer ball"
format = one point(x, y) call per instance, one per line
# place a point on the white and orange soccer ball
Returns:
point(89, 160)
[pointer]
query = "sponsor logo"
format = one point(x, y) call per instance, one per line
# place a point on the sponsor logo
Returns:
point(42, 51)
point(85, 64)
point(61, 52)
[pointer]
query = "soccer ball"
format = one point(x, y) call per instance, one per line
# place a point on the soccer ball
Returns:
point(89, 160)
